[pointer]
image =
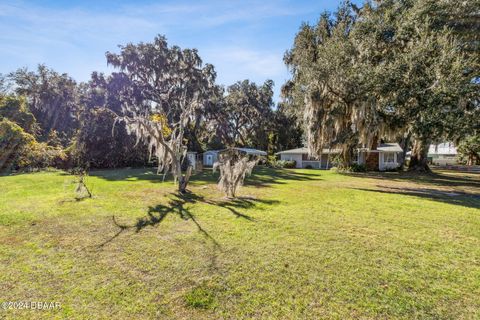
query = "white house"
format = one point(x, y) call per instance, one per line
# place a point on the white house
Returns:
point(384, 157)
point(211, 156)
point(300, 156)
point(192, 157)
point(443, 154)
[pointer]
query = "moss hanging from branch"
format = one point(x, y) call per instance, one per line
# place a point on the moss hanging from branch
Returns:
point(234, 165)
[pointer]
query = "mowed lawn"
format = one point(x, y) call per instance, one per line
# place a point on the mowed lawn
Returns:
point(296, 244)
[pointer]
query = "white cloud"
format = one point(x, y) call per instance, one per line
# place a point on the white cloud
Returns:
point(246, 61)
point(215, 13)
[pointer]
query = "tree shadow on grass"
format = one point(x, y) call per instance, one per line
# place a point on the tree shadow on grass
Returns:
point(262, 176)
point(440, 179)
point(233, 205)
point(129, 174)
point(178, 205)
point(455, 198)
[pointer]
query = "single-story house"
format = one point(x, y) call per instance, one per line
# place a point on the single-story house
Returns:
point(443, 154)
point(211, 156)
point(384, 157)
point(194, 161)
point(302, 160)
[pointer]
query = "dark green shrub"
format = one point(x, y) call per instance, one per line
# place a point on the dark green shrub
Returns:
point(35, 156)
point(13, 140)
point(289, 164)
point(358, 168)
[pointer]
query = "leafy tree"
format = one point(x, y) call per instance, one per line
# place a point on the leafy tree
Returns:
point(3, 85)
point(107, 91)
point(169, 82)
point(469, 150)
point(15, 109)
point(459, 16)
point(421, 78)
point(327, 85)
point(18, 146)
point(382, 71)
point(95, 145)
point(287, 133)
point(248, 113)
point(242, 118)
point(12, 140)
point(52, 98)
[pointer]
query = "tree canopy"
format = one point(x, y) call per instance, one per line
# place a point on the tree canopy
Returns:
point(52, 98)
point(376, 72)
point(168, 93)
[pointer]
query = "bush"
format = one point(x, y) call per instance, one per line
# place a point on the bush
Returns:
point(352, 168)
point(308, 167)
point(288, 164)
point(13, 139)
point(358, 168)
point(272, 161)
point(20, 151)
point(35, 156)
point(16, 110)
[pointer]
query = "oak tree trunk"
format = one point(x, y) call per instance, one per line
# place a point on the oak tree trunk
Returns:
point(183, 180)
point(419, 160)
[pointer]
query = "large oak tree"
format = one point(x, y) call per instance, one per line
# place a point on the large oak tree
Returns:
point(168, 93)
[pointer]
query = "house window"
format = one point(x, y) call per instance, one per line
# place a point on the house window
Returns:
point(389, 157)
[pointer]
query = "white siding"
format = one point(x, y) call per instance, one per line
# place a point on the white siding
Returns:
point(295, 157)
point(209, 158)
point(383, 165)
point(442, 148)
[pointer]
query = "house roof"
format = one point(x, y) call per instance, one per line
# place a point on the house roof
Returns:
point(253, 151)
point(383, 147)
point(446, 148)
point(304, 150)
point(389, 147)
point(246, 150)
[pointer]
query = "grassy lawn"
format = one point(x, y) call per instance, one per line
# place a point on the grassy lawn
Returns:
point(297, 244)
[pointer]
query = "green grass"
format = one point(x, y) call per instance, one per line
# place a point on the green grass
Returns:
point(296, 244)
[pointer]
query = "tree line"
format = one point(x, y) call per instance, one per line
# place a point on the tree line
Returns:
point(396, 70)
point(48, 119)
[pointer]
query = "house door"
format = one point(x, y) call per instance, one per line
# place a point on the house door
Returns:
point(209, 161)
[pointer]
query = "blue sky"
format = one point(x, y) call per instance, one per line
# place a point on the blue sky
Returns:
point(242, 39)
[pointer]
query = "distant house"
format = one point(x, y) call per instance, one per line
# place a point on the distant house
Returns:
point(193, 160)
point(384, 157)
point(443, 154)
point(211, 156)
point(302, 160)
